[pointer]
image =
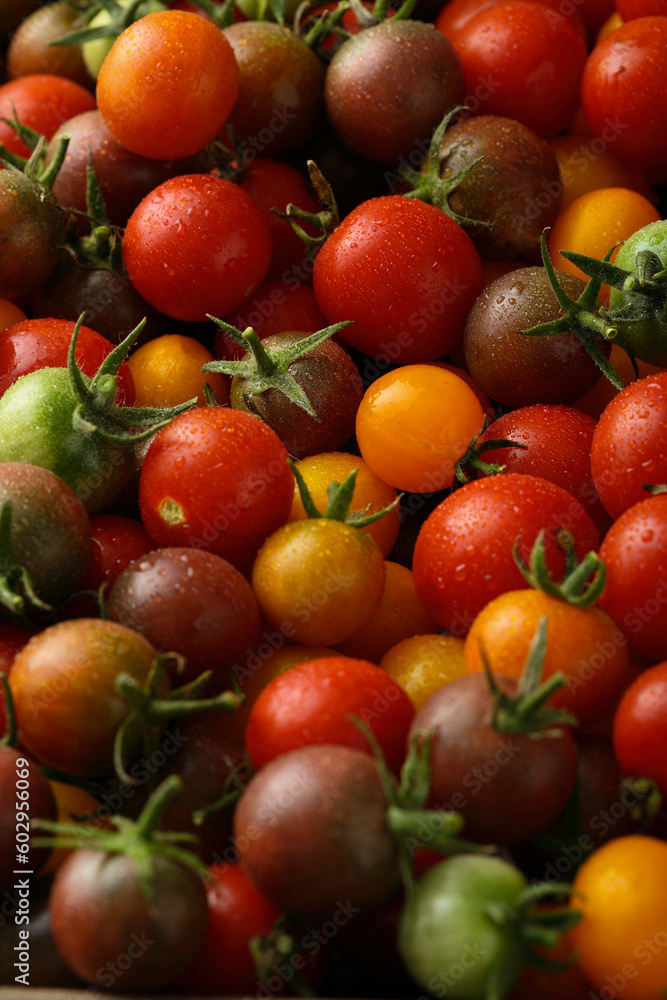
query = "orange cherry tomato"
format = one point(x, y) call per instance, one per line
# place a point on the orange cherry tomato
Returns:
point(414, 423)
point(424, 663)
point(595, 222)
point(603, 391)
point(10, 313)
point(621, 889)
point(168, 371)
point(583, 643)
point(75, 805)
point(369, 492)
point(399, 615)
point(168, 84)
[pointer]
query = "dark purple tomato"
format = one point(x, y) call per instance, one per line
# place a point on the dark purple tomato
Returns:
point(517, 370)
point(30, 49)
point(111, 934)
point(388, 87)
point(507, 786)
point(25, 796)
point(311, 831)
point(192, 602)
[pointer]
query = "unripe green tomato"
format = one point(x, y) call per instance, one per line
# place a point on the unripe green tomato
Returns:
point(646, 338)
point(95, 52)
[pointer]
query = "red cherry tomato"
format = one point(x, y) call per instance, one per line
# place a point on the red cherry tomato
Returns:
point(640, 724)
point(43, 102)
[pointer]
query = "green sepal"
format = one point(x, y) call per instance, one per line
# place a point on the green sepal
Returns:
point(428, 184)
point(150, 706)
point(120, 18)
point(96, 411)
point(268, 367)
point(576, 587)
point(525, 711)
point(579, 319)
point(10, 735)
point(138, 839)
point(324, 221)
point(471, 460)
point(15, 582)
point(339, 497)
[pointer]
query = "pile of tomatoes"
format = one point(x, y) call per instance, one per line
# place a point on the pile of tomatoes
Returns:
point(333, 526)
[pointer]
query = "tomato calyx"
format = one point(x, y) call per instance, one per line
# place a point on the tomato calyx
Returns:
point(280, 945)
point(525, 710)
point(138, 839)
point(578, 318)
point(646, 800)
point(151, 704)
point(267, 367)
point(434, 182)
point(339, 499)
point(118, 18)
point(471, 463)
point(324, 222)
point(409, 822)
point(96, 411)
point(532, 927)
point(15, 582)
point(582, 583)
point(10, 735)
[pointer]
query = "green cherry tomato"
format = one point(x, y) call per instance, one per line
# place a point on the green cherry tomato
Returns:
point(447, 939)
point(646, 335)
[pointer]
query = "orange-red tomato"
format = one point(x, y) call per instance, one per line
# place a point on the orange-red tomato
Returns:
point(168, 84)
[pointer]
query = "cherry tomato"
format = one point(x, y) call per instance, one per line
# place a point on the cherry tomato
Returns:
point(168, 371)
point(424, 663)
point(628, 447)
point(463, 555)
point(405, 273)
point(593, 223)
point(639, 727)
point(584, 643)
point(398, 616)
point(237, 912)
point(216, 479)
point(370, 492)
point(276, 307)
point(313, 701)
point(623, 95)
point(521, 62)
point(621, 939)
point(321, 579)
point(413, 425)
point(587, 164)
point(634, 551)
point(455, 14)
point(595, 400)
point(43, 102)
point(168, 84)
point(197, 245)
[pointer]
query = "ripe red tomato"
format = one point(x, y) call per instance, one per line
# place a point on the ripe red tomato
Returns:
point(640, 724)
point(197, 245)
point(312, 703)
point(623, 92)
point(522, 62)
point(629, 447)
point(168, 84)
point(463, 554)
point(43, 343)
point(634, 551)
point(405, 273)
point(43, 102)
point(216, 479)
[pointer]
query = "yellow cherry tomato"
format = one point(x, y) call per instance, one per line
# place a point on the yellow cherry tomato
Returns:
point(399, 615)
point(369, 491)
point(414, 423)
point(318, 580)
point(595, 222)
point(424, 663)
point(621, 889)
point(168, 371)
point(613, 22)
point(10, 313)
